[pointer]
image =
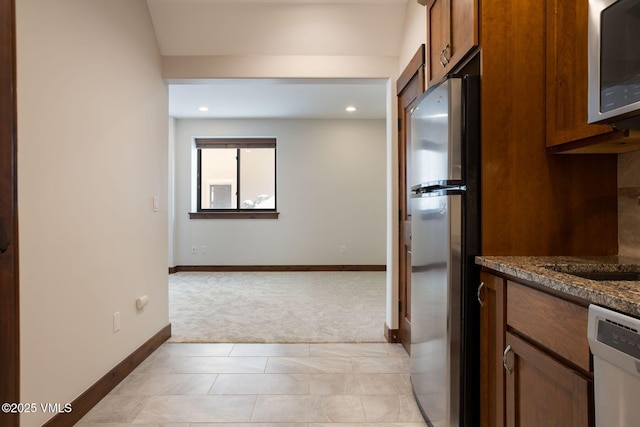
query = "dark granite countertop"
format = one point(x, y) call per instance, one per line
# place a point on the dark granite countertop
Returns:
point(553, 273)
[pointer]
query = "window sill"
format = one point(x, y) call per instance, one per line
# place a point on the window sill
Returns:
point(234, 215)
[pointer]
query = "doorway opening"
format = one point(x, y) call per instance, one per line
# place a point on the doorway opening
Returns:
point(320, 156)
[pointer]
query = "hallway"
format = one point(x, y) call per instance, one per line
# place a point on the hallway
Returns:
point(243, 385)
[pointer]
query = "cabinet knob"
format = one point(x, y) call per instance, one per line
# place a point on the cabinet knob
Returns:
point(478, 294)
point(504, 359)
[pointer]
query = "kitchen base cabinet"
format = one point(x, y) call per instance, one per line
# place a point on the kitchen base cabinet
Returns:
point(553, 323)
point(541, 391)
point(492, 298)
point(535, 364)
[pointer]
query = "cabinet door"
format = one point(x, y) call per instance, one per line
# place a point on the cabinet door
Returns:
point(492, 296)
point(566, 73)
point(464, 29)
point(452, 31)
point(438, 30)
point(541, 391)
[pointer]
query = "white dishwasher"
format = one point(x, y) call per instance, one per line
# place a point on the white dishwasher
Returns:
point(614, 340)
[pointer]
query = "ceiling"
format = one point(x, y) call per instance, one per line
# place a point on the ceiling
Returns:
point(279, 98)
point(278, 27)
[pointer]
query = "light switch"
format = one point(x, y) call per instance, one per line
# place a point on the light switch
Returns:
point(116, 321)
point(155, 203)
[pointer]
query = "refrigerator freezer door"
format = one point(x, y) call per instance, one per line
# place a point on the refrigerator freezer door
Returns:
point(436, 134)
point(436, 287)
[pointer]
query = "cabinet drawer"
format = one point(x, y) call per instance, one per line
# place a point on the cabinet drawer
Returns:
point(558, 325)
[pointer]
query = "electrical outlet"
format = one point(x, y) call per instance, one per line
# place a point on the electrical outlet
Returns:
point(116, 321)
point(204, 249)
point(343, 249)
point(194, 249)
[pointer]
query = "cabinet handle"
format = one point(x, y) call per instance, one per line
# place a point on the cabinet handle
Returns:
point(444, 54)
point(504, 359)
point(478, 294)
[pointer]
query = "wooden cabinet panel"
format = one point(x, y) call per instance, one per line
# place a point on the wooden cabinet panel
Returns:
point(556, 324)
point(533, 202)
point(541, 391)
point(492, 343)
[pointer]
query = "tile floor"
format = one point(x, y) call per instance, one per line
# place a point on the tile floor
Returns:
point(264, 385)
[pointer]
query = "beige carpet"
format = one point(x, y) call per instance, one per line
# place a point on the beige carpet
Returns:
point(277, 307)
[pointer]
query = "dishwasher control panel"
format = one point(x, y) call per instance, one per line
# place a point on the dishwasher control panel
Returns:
point(615, 343)
point(622, 338)
point(615, 337)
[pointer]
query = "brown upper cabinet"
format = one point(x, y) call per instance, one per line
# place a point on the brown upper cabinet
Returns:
point(452, 31)
point(566, 86)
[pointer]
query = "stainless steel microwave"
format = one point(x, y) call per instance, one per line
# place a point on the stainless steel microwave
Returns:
point(614, 62)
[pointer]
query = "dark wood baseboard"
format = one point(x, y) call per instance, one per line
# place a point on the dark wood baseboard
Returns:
point(391, 335)
point(178, 268)
point(87, 400)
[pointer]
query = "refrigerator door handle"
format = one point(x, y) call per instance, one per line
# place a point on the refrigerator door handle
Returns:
point(438, 191)
point(434, 186)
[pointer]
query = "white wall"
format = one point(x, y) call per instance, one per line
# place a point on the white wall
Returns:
point(330, 192)
point(172, 189)
point(415, 32)
point(92, 152)
point(177, 68)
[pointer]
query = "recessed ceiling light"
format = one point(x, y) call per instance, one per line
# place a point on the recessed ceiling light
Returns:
point(203, 109)
point(350, 108)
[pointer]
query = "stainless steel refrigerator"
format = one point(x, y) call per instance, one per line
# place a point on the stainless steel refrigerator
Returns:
point(445, 237)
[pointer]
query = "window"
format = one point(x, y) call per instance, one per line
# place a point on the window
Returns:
point(236, 176)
